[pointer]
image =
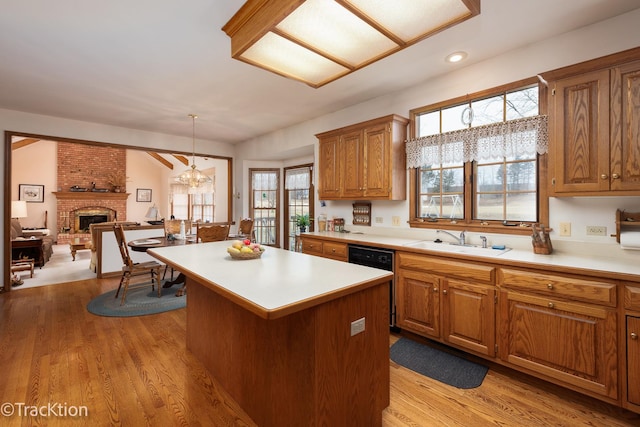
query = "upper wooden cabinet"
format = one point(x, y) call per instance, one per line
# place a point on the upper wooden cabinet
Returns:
point(364, 161)
point(594, 127)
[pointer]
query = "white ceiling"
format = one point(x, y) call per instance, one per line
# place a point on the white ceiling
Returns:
point(146, 64)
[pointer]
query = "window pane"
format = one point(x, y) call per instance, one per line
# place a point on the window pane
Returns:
point(489, 178)
point(486, 111)
point(441, 193)
point(521, 176)
point(452, 118)
point(430, 181)
point(429, 124)
point(522, 103)
point(490, 206)
point(521, 207)
point(453, 180)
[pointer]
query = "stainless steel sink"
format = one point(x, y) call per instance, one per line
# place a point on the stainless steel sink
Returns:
point(455, 248)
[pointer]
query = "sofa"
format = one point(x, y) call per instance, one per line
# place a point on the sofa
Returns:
point(47, 241)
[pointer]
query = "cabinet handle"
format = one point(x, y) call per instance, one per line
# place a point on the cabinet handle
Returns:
point(549, 285)
point(615, 176)
point(550, 305)
point(444, 292)
point(333, 250)
point(604, 176)
point(634, 336)
point(435, 289)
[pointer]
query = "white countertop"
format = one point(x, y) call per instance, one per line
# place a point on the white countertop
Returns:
point(627, 267)
point(280, 281)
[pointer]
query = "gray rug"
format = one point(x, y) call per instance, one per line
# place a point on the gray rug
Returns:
point(140, 302)
point(436, 364)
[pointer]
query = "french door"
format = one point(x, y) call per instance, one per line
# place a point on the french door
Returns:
point(264, 202)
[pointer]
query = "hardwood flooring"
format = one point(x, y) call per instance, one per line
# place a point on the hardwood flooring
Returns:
point(136, 371)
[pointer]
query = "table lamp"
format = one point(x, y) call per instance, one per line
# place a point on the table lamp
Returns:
point(18, 209)
point(153, 212)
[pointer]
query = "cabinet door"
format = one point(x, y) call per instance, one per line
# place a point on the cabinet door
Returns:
point(625, 130)
point(579, 133)
point(329, 168)
point(469, 316)
point(633, 360)
point(353, 164)
point(418, 302)
point(570, 342)
point(377, 168)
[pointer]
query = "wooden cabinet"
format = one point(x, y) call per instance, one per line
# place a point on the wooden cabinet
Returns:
point(468, 312)
point(632, 346)
point(633, 360)
point(447, 300)
point(364, 161)
point(328, 172)
point(594, 129)
point(418, 302)
point(324, 248)
point(561, 327)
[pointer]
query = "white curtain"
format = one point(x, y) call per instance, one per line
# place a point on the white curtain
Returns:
point(297, 179)
point(515, 138)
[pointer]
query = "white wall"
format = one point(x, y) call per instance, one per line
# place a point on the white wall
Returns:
point(614, 35)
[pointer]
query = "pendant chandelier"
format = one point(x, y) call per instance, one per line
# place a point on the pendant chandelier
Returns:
point(192, 177)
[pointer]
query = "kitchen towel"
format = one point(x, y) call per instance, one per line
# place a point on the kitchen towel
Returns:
point(630, 240)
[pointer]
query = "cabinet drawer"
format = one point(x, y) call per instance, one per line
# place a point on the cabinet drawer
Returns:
point(599, 292)
point(335, 250)
point(632, 297)
point(311, 246)
point(449, 268)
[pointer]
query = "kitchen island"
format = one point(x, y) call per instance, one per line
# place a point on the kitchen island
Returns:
point(294, 339)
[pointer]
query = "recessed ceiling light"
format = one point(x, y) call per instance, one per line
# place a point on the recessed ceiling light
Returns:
point(456, 57)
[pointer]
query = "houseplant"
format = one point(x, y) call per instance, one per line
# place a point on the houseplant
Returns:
point(302, 221)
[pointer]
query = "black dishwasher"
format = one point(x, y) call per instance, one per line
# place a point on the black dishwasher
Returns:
point(377, 258)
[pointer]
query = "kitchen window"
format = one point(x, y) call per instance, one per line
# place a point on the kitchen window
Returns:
point(478, 161)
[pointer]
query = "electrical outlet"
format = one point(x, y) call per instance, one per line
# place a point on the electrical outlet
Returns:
point(357, 326)
point(565, 229)
point(596, 230)
point(395, 220)
point(379, 220)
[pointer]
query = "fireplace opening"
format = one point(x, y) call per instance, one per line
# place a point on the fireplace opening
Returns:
point(84, 217)
point(86, 220)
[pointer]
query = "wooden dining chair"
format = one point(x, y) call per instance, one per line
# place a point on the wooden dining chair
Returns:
point(245, 228)
point(211, 233)
point(134, 270)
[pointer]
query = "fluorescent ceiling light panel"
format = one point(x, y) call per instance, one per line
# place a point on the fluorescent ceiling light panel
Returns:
point(318, 41)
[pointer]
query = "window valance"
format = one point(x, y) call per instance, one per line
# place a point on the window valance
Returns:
point(513, 139)
point(297, 179)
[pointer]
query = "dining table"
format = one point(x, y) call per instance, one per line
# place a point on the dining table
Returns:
point(142, 245)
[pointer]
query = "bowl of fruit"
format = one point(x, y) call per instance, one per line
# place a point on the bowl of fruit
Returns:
point(245, 249)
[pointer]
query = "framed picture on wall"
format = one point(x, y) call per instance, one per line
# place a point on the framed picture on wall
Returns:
point(31, 193)
point(143, 195)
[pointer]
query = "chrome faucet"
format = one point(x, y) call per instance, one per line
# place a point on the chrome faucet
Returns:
point(461, 240)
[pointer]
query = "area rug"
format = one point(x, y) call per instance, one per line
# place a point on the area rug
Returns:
point(139, 302)
point(436, 364)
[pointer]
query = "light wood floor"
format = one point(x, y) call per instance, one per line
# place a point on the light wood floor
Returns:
point(137, 371)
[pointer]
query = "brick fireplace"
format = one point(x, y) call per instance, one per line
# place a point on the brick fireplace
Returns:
point(87, 167)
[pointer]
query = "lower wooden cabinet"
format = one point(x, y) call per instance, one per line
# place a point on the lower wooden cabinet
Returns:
point(418, 302)
point(431, 300)
point(468, 311)
point(325, 248)
point(633, 360)
point(546, 332)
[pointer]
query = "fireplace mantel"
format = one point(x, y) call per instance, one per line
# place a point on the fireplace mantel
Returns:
point(89, 195)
